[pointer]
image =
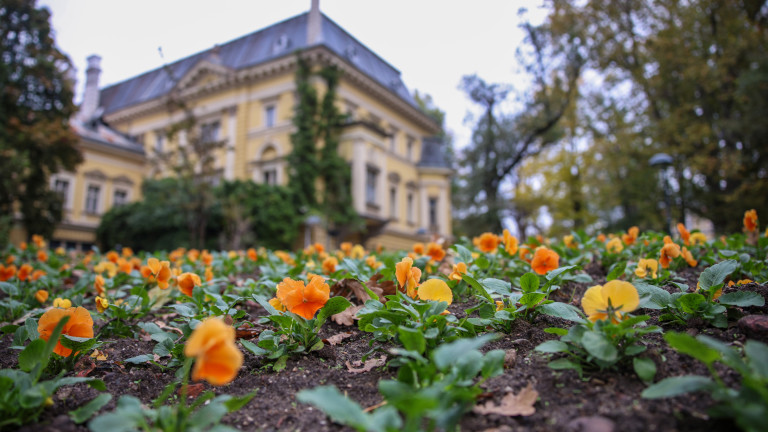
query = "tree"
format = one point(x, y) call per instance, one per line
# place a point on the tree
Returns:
point(35, 107)
point(192, 160)
point(694, 76)
point(500, 143)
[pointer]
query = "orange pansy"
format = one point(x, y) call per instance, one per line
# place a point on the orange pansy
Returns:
point(418, 248)
point(750, 220)
point(329, 265)
point(668, 252)
point(435, 251)
point(252, 255)
point(217, 358)
point(631, 235)
point(7, 272)
point(41, 296)
point(160, 270)
point(545, 260)
point(80, 325)
point(408, 276)
point(24, 271)
point(688, 257)
point(510, 242)
point(487, 242)
point(684, 234)
point(187, 282)
point(42, 256)
point(458, 270)
point(302, 300)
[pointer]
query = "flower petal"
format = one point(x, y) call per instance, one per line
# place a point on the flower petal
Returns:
point(436, 290)
point(623, 295)
point(593, 302)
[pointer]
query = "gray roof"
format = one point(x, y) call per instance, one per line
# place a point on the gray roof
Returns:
point(96, 131)
point(270, 43)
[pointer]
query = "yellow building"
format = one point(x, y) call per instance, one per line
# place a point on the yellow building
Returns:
point(243, 92)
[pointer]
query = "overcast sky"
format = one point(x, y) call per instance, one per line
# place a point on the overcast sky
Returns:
point(432, 42)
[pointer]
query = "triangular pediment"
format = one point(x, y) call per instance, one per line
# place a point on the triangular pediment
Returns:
point(203, 73)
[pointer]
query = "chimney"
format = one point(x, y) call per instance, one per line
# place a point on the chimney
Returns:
point(91, 93)
point(315, 25)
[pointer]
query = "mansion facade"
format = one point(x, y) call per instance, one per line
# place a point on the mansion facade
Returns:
point(243, 93)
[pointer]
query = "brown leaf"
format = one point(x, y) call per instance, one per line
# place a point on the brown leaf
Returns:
point(193, 390)
point(383, 288)
point(520, 404)
point(337, 338)
point(347, 316)
point(369, 364)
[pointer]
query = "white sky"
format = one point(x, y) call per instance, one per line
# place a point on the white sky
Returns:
point(432, 42)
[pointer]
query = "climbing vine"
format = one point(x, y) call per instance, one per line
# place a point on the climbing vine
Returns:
point(314, 158)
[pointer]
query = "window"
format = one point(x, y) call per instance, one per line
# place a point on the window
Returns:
point(120, 197)
point(410, 208)
point(370, 185)
point(393, 202)
point(92, 199)
point(270, 176)
point(269, 116)
point(159, 141)
point(393, 141)
point(409, 149)
point(61, 187)
point(433, 213)
point(209, 132)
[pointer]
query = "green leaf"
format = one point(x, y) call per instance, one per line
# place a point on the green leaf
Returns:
point(238, 402)
point(334, 404)
point(742, 299)
point(645, 368)
point(659, 298)
point(716, 274)
point(465, 255)
point(687, 344)
point(252, 347)
point(563, 363)
point(332, 307)
point(140, 359)
point(477, 287)
point(496, 286)
point(185, 310)
point(78, 344)
point(552, 346)
point(562, 310)
point(757, 355)
point(32, 355)
point(31, 326)
point(558, 271)
point(691, 302)
point(449, 353)
point(556, 331)
point(530, 300)
point(617, 271)
point(529, 282)
point(87, 411)
point(412, 339)
point(675, 386)
point(599, 346)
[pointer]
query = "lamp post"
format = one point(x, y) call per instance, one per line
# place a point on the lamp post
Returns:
point(662, 161)
point(310, 222)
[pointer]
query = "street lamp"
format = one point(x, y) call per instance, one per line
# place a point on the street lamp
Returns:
point(310, 222)
point(662, 161)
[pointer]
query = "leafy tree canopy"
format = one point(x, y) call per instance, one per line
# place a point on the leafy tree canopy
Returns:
point(35, 107)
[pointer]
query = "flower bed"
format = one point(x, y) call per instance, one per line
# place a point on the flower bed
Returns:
point(635, 330)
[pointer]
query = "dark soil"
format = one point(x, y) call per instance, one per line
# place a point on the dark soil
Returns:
point(601, 400)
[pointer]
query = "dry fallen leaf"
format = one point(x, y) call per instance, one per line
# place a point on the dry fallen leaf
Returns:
point(520, 404)
point(337, 338)
point(347, 316)
point(369, 364)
